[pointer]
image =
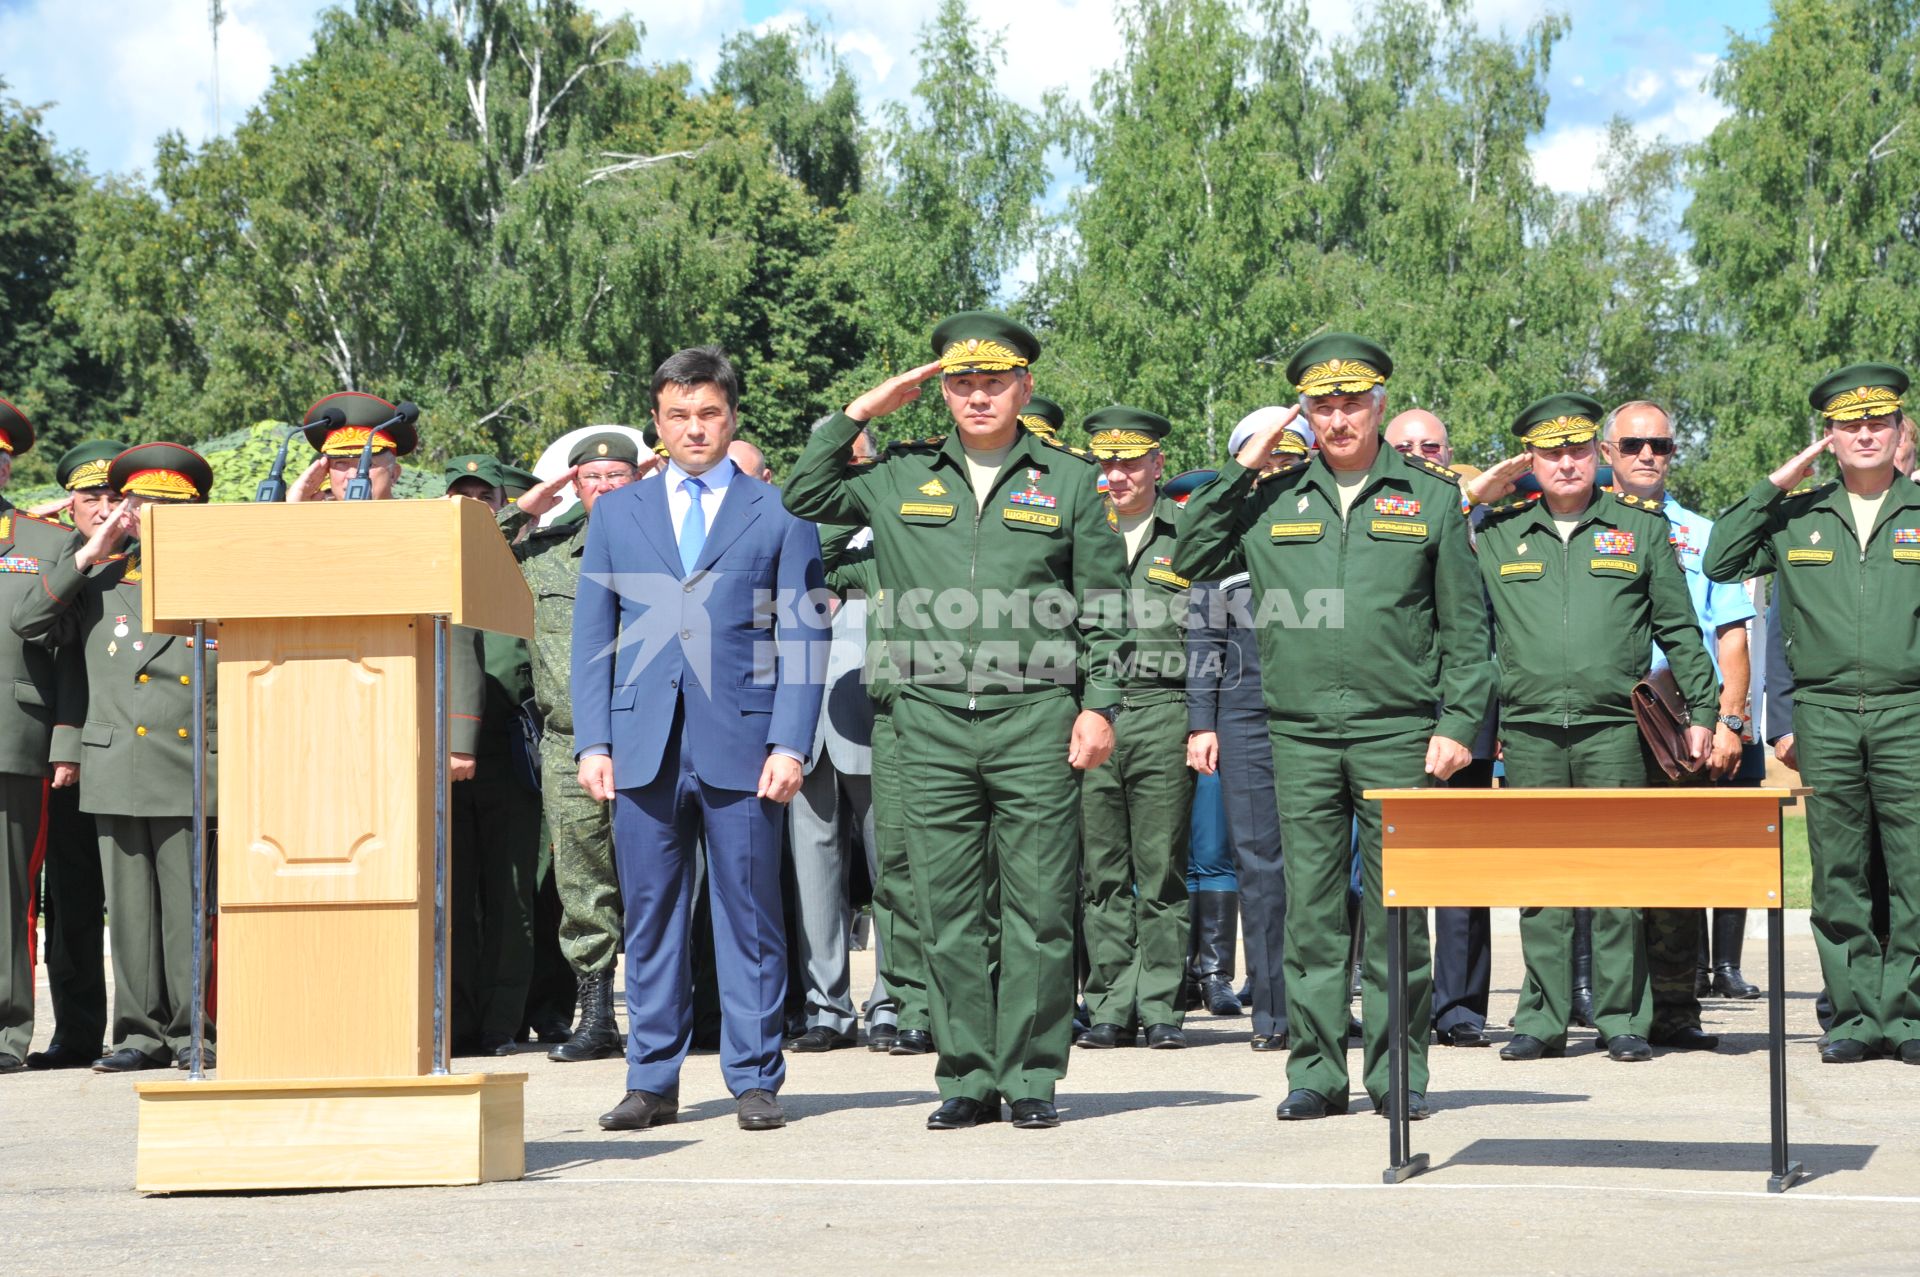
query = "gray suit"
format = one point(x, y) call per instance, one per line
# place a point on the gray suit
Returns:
point(835, 797)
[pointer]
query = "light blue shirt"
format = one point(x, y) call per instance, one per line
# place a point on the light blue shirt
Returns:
point(1714, 602)
point(678, 498)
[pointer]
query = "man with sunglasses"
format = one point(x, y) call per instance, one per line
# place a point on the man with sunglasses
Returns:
point(1846, 559)
point(1638, 444)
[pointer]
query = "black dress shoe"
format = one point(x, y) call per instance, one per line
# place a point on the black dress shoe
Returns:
point(760, 1111)
point(820, 1039)
point(59, 1055)
point(125, 1060)
point(1524, 1047)
point(911, 1042)
point(1628, 1048)
point(1689, 1038)
point(1035, 1115)
point(881, 1037)
point(1729, 983)
point(1163, 1037)
point(641, 1111)
point(1301, 1105)
point(1845, 1051)
point(958, 1113)
point(1908, 1052)
point(1356, 1031)
point(1417, 1108)
point(1101, 1037)
point(494, 1046)
point(183, 1062)
point(1270, 1042)
point(1463, 1035)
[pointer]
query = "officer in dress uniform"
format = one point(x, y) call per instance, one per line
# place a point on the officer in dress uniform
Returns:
point(997, 717)
point(131, 741)
point(1043, 417)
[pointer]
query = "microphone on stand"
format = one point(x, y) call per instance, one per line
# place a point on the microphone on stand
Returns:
point(274, 486)
point(360, 487)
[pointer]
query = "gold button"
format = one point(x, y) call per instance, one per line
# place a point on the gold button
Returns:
point(139, 731)
point(185, 681)
point(183, 733)
point(143, 678)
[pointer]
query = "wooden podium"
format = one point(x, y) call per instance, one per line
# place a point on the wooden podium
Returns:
point(1708, 847)
point(332, 815)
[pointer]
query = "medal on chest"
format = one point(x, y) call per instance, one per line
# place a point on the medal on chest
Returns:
point(1612, 541)
point(1032, 496)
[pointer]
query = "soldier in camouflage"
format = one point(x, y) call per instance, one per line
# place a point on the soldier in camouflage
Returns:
point(580, 826)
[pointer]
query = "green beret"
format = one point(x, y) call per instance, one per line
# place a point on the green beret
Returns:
point(1859, 390)
point(85, 465)
point(489, 470)
point(1043, 416)
point(1558, 420)
point(161, 472)
point(983, 341)
point(1338, 364)
point(516, 481)
point(608, 445)
point(362, 412)
point(16, 432)
point(1121, 433)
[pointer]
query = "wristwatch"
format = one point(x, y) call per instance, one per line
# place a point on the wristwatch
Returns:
point(1734, 723)
point(1109, 713)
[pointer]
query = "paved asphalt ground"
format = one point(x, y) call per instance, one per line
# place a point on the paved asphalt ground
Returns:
point(1167, 1161)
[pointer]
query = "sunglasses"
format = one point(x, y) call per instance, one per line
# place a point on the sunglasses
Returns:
point(1631, 445)
point(1428, 446)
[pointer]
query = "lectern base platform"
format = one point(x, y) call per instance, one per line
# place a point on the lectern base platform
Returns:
point(464, 1128)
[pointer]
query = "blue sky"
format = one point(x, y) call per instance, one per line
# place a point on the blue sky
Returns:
point(122, 71)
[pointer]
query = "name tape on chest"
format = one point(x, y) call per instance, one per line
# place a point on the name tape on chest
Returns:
point(1399, 528)
point(1032, 518)
point(1167, 576)
point(1524, 568)
point(1908, 554)
point(1625, 567)
point(1306, 529)
point(932, 509)
point(1804, 556)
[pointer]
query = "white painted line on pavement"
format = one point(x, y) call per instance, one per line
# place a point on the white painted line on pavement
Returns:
point(1253, 1185)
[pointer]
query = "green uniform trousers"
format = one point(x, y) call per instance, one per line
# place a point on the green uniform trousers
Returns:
point(75, 924)
point(1134, 813)
point(23, 809)
point(1317, 787)
point(984, 779)
point(1862, 767)
point(896, 917)
point(1593, 756)
point(495, 837)
point(147, 862)
point(555, 991)
point(583, 871)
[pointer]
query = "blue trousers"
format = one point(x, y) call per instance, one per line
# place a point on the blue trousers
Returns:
point(1209, 852)
point(656, 829)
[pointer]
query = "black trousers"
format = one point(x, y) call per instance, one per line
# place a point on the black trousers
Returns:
point(1463, 941)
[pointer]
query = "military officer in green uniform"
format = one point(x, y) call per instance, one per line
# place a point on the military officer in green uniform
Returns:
point(76, 897)
point(495, 831)
point(1572, 630)
point(1846, 563)
point(1370, 613)
point(28, 549)
point(993, 549)
point(1134, 811)
point(131, 742)
point(579, 826)
point(1044, 417)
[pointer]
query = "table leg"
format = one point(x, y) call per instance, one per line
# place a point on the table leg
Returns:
point(1786, 1173)
point(1403, 1162)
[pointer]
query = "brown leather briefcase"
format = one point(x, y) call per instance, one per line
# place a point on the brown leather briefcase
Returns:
point(1662, 714)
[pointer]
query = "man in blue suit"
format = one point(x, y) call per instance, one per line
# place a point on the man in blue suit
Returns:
point(696, 632)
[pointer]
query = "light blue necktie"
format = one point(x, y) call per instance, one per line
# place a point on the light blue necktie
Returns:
point(693, 528)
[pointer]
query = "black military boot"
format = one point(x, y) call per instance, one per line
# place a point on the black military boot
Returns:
point(1215, 914)
point(1703, 964)
point(1582, 968)
point(597, 1036)
point(1729, 929)
point(1188, 999)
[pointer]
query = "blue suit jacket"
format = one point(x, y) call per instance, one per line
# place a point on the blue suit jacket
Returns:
point(741, 638)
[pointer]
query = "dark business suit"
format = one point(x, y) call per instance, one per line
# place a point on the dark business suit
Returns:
point(1223, 696)
point(677, 675)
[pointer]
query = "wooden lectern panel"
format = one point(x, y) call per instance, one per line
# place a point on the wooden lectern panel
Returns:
point(1643, 848)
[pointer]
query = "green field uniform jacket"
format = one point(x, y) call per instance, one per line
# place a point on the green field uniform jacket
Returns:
point(983, 608)
point(1850, 619)
point(1154, 669)
point(1574, 620)
point(132, 734)
point(28, 548)
point(1367, 624)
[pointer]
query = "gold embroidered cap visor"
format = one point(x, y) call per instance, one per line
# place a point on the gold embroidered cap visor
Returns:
point(1558, 420)
point(1338, 364)
point(1858, 391)
point(982, 341)
point(1121, 433)
point(161, 472)
point(1043, 416)
point(359, 413)
point(85, 465)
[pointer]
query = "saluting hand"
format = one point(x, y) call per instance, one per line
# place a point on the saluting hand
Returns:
point(51, 509)
point(1498, 481)
point(546, 494)
point(106, 538)
point(893, 393)
point(1257, 451)
point(1092, 741)
point(310, 483)
point(1795, 472)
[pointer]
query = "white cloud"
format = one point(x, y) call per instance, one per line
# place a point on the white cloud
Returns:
point(1567, 159)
